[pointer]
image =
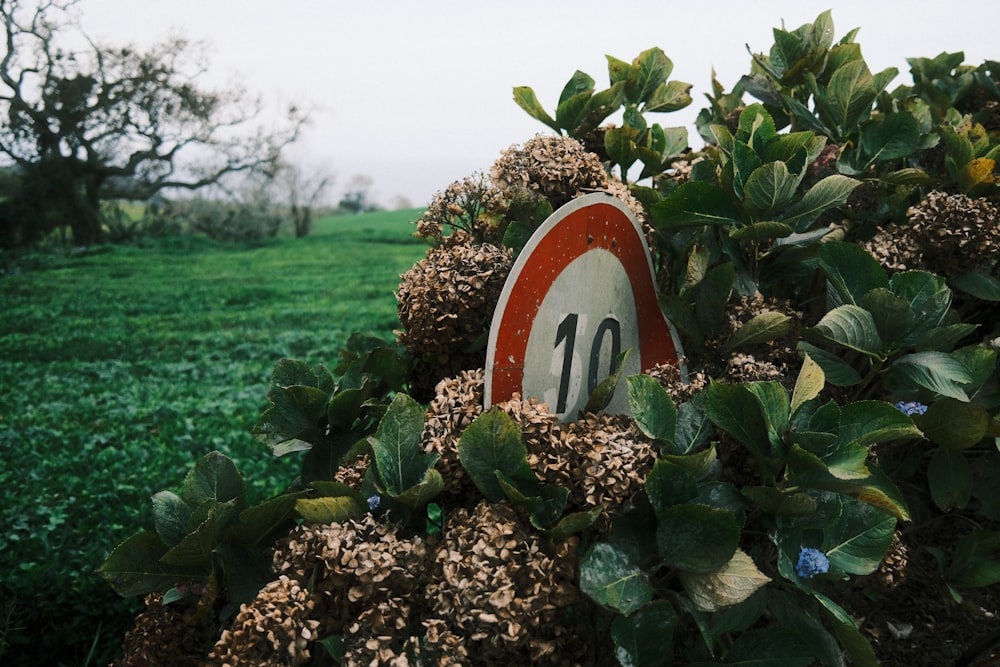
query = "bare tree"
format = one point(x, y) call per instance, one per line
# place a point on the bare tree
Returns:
point(88, 124)
point(305, 191)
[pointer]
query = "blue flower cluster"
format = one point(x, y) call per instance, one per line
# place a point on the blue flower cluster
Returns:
point(911, 408)
point(374, 502)
point(811, 562)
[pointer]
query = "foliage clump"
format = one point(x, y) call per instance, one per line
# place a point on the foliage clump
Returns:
point(731, 515)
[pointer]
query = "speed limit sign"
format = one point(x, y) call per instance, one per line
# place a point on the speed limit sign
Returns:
point(581, 291)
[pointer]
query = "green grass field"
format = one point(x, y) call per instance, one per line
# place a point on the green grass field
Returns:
point(121, 366)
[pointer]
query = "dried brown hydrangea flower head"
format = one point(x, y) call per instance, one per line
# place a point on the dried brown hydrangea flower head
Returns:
point(948, 234)
point(445, 305)
point(274, 630)
point(457, 402)
point(603, 459)
point(557, 167)
point(464, 206)
point(501, 587)
point(348, 565)
point(172, 635)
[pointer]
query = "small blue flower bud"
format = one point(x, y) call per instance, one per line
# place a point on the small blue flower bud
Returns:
point(811, 562)
point(911, 408)
point(374, 502)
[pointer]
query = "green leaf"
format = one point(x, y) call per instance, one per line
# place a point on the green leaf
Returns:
point(850, 94)
point(418, 495)
point(979, 285)
point(756, 127)
point(954, 424)
point(764, 327)
point(769, 187)
point(669, 484)
point(858, 541)
point(695, 203)
point(260, 523)
point(851, 327)
point(735, 410)
point(196, 548)
point(761, 231)
point(490, 443)
point(670, 96)
point(780, 503)
point(944, 338)
point(892, 314)
point(950, 478)
point(650, 69)
point(808, 384)
point(936, 371)
point(837, 371)
point(213, 478)
point(866, 423)
point(891, 137)
point(856, 646)
point(928, 295)
point(526, 99)
point(605, 390)
point(134, 567)
point(573, 523)
point(652, 408)
point(977, 560)
point(170, 515)
point(697, 538)
point(770, 647)
point(645, 638)
point(851, 270)
point(327, 509)
point(828, 193)
point(609, 578)
point(879, 491)
point(744, 162)
point(398, 455)
point(710, 297)
point(620, 145)
point(693, 426)
point(734, 582)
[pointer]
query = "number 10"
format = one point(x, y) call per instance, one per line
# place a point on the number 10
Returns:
point(566, 335)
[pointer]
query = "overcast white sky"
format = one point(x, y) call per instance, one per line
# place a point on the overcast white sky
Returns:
point(417, 94)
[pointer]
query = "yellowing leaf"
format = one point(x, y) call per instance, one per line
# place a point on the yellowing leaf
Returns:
point(808, 384)
point(977, 172)
point(732, 583)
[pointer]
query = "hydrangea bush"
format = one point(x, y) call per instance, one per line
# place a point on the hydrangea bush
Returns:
point(829, 260)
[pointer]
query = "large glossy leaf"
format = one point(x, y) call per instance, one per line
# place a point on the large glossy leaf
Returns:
point(837, 371)
point(979, 285)
point(936, 371)
point(526, 99)
point(763, 327)
point(645, 639)
point(734, 582)
point(695, 203)
point(954, 424)
point(851, 327)
point(170, 515)
point(652, 408)
point(950, 478)
point(857, 542)
point(808, 384)
point(134, 567)
point(735, 410)
point(214, 478)
point(869, 422)
point(771, 647)
point(669, 484)
point(650, 69)
point(893, 317)
point(851, 270)
point(850, 94)
point(697, 538)
point(891, 137)
point(493, 442)
point(768, 188)
point(670, 96)
point(398, 455)
point(828, 193)
point(610, 578)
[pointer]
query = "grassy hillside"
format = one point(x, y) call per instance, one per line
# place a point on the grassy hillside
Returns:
point(121, 366)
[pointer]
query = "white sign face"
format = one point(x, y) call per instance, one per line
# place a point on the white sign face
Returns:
point(574, 341)
point(580, 292)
